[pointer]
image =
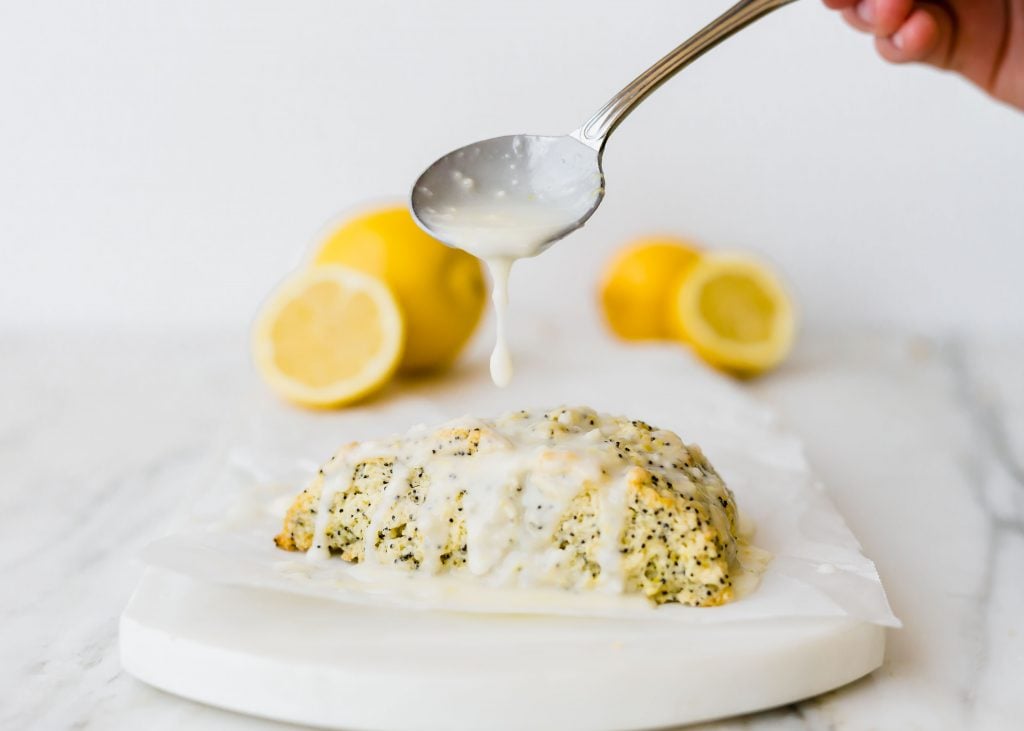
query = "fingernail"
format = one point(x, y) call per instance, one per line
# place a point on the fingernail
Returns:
point(866, 11)
point(897, 39)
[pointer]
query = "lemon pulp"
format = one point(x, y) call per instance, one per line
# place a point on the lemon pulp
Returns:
point(735, 313)
point(328, 336)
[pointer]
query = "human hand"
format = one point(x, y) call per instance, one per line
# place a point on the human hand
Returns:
point(983, 40)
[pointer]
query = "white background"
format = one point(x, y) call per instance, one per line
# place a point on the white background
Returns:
point(163, 164)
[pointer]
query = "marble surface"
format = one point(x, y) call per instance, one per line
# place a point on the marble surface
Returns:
point(920, 441)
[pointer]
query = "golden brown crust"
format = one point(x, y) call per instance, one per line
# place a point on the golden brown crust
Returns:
point(672, 550)
point(292, 537)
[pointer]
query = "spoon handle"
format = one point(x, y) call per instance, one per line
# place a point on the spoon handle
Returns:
point(595, 131)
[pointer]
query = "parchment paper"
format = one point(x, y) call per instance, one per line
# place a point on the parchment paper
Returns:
point(816, 570)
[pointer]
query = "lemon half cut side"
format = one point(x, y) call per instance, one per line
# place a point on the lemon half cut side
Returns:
point(328, 336)
point(735, 313)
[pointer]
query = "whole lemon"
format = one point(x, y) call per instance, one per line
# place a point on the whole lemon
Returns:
point(638, 284)
point(440, 290)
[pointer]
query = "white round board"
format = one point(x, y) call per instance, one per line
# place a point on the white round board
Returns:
point(332, 665)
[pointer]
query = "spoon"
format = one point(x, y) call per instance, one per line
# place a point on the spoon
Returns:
point(511, 197)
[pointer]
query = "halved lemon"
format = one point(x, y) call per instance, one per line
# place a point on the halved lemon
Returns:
point(441, 290)
point(637, 285)
point(735, 313)
point(328, 336)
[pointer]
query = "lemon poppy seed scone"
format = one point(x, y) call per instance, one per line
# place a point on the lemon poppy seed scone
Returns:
point(565, 498)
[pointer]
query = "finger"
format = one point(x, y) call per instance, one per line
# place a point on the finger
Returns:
point(854, 18)
point(890, 15)
point(840, 4)
point(925, 37)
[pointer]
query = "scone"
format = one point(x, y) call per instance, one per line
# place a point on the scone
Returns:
point(564, 498)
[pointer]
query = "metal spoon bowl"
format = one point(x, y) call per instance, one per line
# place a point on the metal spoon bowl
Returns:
point(494, 182)
point(557, 181)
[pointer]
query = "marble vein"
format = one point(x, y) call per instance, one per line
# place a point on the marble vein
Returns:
point(999, 489)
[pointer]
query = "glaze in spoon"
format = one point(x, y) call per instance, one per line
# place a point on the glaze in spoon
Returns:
point(511, 197)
